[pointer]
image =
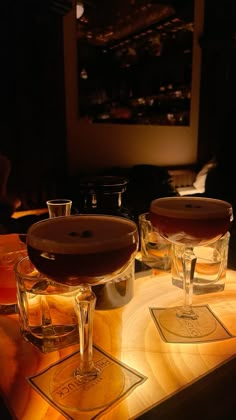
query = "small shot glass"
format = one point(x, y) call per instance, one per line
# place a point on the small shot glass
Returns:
point(59, 207)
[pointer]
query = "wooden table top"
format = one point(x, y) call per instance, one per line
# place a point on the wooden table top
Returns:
point(129, 334)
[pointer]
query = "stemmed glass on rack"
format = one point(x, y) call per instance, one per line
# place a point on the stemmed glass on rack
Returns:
point(84, 250)
point(189, 221)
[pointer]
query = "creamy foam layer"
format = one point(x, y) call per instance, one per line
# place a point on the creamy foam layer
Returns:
point(191, 208)
point(82, 234)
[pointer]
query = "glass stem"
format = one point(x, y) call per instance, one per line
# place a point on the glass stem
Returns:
point(85, 304)
point(188, 261)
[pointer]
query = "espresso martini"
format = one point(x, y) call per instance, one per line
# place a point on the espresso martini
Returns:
point(191, 220)
point(79, 249)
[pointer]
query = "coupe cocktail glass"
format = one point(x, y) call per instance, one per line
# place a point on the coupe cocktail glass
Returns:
point(84, 250)
point(189, 221)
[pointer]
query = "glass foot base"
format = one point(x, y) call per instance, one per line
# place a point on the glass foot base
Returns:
point(187, 314)
point(99, 392)
point(202, 326)
point(88, 376)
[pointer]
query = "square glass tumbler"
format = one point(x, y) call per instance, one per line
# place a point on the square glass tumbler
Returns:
point(155, 250)
point(210, 269)
point(46, 309)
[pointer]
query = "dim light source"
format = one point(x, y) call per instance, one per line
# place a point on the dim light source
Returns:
point(79, 9)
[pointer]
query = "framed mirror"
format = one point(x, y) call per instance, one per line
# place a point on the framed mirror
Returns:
point(135, 62)
point(93, 144)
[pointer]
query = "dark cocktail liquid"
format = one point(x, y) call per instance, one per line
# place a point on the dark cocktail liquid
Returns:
point(82, 249)
point(191, 220)
point(74, 269)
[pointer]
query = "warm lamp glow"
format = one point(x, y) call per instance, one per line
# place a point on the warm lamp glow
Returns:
point(79, 9)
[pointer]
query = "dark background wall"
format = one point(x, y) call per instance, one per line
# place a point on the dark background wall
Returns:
point(218, 78)
point(32, 120)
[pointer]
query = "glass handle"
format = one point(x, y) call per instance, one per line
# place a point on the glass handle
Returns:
point(47, 324)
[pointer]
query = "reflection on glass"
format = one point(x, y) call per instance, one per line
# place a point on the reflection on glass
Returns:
point(135, 62)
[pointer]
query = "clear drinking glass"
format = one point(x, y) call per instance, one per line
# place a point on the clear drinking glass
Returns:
point(155, 250)
point(210, 268)
point(191, 222)
point(84, 251)
point(59, 207)
point(46, 309)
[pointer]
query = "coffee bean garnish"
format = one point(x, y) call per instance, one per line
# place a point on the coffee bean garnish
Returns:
point(191, 206)
point(86, 234)
point(83, 234)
